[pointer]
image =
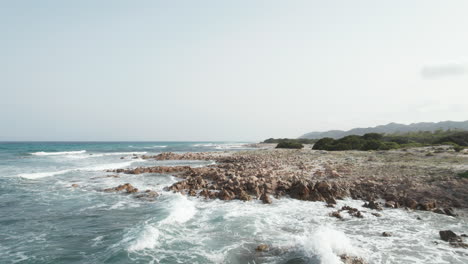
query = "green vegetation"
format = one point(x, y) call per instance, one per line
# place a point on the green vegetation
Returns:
point(298, 140)
point(463, 175)
point(375, 141)
point(290, 145)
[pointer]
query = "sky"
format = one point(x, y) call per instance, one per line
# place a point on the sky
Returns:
point(227, 70)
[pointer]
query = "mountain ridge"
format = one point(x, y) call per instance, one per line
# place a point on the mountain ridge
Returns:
point(390, 128)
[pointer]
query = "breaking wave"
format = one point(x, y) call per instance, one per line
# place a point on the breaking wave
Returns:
point(43, 153)
point(38, 175)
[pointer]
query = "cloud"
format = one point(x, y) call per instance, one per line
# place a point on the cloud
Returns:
point(442, 71)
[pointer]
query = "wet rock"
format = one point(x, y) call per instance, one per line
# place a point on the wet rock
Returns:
point(373, 205)
point(300, 190)
point(376, 214)
point(438, 211)
point(243, 196)
point(449, 211)
point(411, 203)
point(330, 201)
point(127, 187)
point(265, 198)
point(352, 211)
point(336, 214)
point(459, 244)
point(391, 204)
point(449, 236)
point(226, 195)
point(428, 205)
point(75, 185)
point(346, 259)
point(262, 248)
point(386, 234)
point(148, 195)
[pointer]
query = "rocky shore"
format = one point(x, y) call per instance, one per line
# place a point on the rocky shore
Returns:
point(420, 179)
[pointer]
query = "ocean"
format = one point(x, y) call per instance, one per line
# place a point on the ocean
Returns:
point(43, 219)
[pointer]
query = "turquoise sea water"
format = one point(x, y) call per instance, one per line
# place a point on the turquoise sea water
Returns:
point(45, 220)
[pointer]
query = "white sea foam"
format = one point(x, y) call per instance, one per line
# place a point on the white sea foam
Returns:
point(181, 210)
point(222, 146)
point(95, 155)
point(37, 175)
point(43, 153)
point(100, 167)
point(147, 238)
point(328, 243)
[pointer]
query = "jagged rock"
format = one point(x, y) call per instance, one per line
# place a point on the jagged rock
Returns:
point(449, 236)
point(124, 187)
point(265, 198)
point(336, 214)
point(346, 259)
point(300, 190)
point(262, 248)
point(373, 205)
point(449, 211)
point(330, 201)
point(226, 195)
point(411, 203)
point(149, 195)
point(244, 196)
point(459, 244)
point(428, 205)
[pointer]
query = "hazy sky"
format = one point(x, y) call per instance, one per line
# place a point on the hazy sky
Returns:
point(227, 70)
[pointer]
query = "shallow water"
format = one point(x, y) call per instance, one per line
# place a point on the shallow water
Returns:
point(44, 220)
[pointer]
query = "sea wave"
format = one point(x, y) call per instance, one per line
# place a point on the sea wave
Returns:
point(180, 209)
point(328, 244)
point(43, 153)
point(100, 167)
point(118, 153)
point(147, 238)
point(222, 146)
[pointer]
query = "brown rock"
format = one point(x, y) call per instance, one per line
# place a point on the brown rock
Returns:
point(262, 248)
point(411, 203)
point(428, 205)
point(265, 198)
point(226, 195)
point(351, 259)
point(300, 190)
point(74, 185)
point(336, 214)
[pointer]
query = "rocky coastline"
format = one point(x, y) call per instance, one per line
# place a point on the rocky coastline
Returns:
point(409, 179)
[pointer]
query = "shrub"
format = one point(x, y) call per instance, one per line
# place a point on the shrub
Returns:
point(375, 136)
point(289, 145)
point(458, 148)
point(324, 144)
point(463, 175)
point(460, 138)
point(372, 144)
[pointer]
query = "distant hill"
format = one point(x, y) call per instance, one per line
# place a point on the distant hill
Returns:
point(390, 129)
